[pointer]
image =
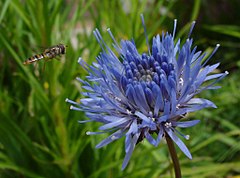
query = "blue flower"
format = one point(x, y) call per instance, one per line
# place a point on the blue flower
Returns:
point(144, 96)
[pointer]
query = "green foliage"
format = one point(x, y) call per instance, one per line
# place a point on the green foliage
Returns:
point(40, 137)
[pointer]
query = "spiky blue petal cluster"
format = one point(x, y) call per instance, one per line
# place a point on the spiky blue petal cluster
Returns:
point(139, 95)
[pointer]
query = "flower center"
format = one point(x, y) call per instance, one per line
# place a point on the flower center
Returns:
point(148, 68)
point(147, 75)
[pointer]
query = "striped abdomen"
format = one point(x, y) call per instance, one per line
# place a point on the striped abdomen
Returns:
point(34, 59)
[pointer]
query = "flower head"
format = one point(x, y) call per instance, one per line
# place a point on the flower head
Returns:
point(137, 96)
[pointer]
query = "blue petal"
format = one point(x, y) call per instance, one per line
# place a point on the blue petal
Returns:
point(123, 83)
point(173, 101)
point(160, 135)
point(140, 98)
point(94, 133)
point(110, 118)
point(166, 108)
point(159, 104)
point(149, 96)
point(112, 124)
point(149, 138)
point(130, 145)
point(116, 135)
point(143, 117)
point(130, 92)
point(163, 118)
point(210, 77)
point(181, 60)
point(133, 129)
point(201, 76)
point(164, 85)
point(185, 124)
point(210, 86)
point(213, 87)
point(201, 101)
point(85, 121)
point(199, 104)
point(179, 143)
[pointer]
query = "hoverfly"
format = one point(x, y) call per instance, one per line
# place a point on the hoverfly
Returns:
point(48, 53)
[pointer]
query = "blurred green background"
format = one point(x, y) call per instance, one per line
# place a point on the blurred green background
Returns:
point(40, 136)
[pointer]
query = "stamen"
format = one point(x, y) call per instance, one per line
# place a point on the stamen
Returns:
point(118, 99)
point(168, 124)
point(145, 32)
point(99, 39)
point(178, 106)
point(70, 101)
point(129, 112)
point(75, 108)
point(191, 29)
point(83, 63)
point(174, 27)
point(181, 81)
point(94, 133)
point(113, 137)
point(214, 51)
point(115, 42)
point(187, 137)
point(220, 78)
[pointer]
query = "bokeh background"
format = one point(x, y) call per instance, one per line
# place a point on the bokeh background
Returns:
point(40, 136)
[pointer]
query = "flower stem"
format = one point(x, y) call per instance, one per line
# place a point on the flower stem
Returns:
point(174, 157)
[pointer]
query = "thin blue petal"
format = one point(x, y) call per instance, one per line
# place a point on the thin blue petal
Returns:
point(132, 143)
point(201, 101)
point(116, 135)
point(114, 124)
point(185, 124)
point(149, 138)
point(179, 143)
point(133, 129)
